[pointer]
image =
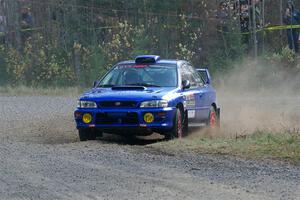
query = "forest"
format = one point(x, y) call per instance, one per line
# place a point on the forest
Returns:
point(73, 42)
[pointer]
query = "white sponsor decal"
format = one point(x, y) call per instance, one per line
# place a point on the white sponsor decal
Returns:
point(190, 100)
point(191, 114)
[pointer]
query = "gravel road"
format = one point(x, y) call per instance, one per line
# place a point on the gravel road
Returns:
point(41, 158)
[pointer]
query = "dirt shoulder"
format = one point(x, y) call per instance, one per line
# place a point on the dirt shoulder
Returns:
point(277, 146)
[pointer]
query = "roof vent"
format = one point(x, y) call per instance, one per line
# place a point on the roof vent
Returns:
point(147, 59)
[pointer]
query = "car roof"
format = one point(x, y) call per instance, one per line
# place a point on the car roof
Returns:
point(166, 61)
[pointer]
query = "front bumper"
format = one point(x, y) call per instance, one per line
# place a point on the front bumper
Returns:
point(127, 120)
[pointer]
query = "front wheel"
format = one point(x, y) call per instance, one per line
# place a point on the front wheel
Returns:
point(177, 130)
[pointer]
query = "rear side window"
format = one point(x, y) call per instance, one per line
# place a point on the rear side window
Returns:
point(203, 75)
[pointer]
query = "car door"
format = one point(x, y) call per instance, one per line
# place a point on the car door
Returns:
point(211, 92)
point(202, 101)
point(195, 95)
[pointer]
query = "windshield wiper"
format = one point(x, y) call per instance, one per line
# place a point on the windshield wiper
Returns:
point(145, 84)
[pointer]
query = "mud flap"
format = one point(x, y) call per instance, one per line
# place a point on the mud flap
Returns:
point(219, 117)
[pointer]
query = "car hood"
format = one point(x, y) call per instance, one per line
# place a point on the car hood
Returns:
point(128, 93)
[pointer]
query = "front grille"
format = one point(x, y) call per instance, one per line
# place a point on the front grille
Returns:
point(117, 118)
point(118, 104)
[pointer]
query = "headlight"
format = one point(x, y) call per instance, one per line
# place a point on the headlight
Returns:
point(86, 104)
point(154, 104)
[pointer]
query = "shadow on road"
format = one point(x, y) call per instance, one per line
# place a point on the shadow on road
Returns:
point(140, 140)
point(131, 140)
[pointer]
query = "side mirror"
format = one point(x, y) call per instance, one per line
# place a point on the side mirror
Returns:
point(95, 84)
point(186, 84)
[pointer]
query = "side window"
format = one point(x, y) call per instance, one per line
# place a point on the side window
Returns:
point(187, 74)
point(112, 77)
point(184, 73)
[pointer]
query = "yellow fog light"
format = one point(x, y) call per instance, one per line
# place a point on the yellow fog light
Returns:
point(87, 118)
point(148, 117)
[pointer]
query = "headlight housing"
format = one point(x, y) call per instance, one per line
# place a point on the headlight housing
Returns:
point(154, 104)
point(86, 104)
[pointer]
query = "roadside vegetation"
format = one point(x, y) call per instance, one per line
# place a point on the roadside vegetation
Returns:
point(282, 146)
point(72, 43)
point(40, 91)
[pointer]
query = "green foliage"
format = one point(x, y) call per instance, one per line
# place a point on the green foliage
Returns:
point(76, 41)
point(229, 50)
point(125, 41)
point(3, 66)
point(41, 64)
point(187, 47)
point(97, 64)
point(286, 58)
point(17, 65)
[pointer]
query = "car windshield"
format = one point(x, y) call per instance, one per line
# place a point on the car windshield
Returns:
point(141, 75)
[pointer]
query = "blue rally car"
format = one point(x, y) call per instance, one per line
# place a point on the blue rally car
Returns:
point(148, 95)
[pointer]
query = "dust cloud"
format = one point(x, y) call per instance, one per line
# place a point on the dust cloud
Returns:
point(258, 96)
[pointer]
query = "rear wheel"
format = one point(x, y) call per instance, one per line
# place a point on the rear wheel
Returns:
point(213, 119)
point(88, 134)
point(178, 127)
point(185, 124)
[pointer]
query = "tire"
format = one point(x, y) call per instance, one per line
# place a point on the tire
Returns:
point(185, 124)
point(177, 130)
point(213, 120)
point(87, 134)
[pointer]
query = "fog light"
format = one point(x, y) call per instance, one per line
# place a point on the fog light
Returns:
point(148, 117)
point(87, 118)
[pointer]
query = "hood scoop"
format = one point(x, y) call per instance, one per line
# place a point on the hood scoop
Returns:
point(141, 88)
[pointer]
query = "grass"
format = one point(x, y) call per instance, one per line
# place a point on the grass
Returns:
point(33, 91)
point(283, 146)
